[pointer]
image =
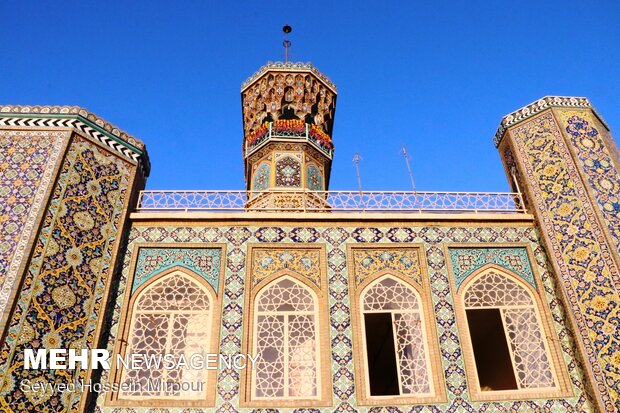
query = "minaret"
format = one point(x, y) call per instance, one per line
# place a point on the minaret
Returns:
point(560, 153)
point(288, 117)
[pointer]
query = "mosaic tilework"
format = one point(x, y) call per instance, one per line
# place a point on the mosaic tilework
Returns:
point(205, 262)
point(314, 180)
point(82, 122)
point(61, 297)
point(595, 160)
point(335, 239)
point(267, 261)
point(288, 172)
point(369, 261)
point(465, 261)
point(578, 246)
point(539, 106)
point(27, 163)
point(26, 112)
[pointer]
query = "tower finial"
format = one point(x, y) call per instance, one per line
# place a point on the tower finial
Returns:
point(287, 43)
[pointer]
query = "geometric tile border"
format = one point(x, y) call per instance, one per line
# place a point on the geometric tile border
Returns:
point(81, 121)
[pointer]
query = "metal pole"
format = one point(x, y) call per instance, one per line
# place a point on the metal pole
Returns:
point(356, 160)
point(514, 179)
point(415, 192)
point(409, 168)
point(287, 43)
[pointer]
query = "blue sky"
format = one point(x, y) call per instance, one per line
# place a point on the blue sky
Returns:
point(435, 76)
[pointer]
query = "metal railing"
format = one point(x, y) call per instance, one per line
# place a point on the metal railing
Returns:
point(273, 133)
point(331, 201)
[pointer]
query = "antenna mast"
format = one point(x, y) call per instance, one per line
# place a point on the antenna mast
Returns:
point(415, 191)
point(356, 161)
point(287, 43)
point(409, 169)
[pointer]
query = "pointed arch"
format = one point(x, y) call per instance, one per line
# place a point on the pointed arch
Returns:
point(393, 273)
point(286, 336)
point(388, 292)
point(170, 315)
point(507, 338)
point(395, 352)
point(503, 270)
point(287, 272)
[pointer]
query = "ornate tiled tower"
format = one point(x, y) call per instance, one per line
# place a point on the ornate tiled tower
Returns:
point(560, 152)
point(67, 182)
point(288, 117)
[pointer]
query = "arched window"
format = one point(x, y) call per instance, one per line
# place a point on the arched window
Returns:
point(170, 316)
point(397, 360)
point(506, 335)
point(286, 339)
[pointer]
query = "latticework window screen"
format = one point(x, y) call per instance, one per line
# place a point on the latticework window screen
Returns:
point(389, 295)
point(285, 337)
point(171, 316)
point(528, 352)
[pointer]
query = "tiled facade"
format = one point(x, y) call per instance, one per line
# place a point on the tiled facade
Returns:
point(373, 248)
point(74, 259)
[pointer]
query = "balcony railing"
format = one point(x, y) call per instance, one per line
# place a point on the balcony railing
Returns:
point(302, 132)
point(331, 201)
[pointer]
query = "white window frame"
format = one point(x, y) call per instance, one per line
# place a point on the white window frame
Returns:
point(534, 306)
point(171, 314)
point(286, 356)
point(420, 312)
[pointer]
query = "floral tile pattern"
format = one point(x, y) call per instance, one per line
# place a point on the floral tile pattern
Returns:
point(61, 295)
point(369, 261)
point(465, 261)
point(261, 177)
point(314, 178)
point(267, 261)
point(595, 159)
point(205, 262)
point(27, 163)
point(576, 237)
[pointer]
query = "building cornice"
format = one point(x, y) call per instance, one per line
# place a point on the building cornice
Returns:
point(289, 67)
point(81, 120)
point(540, 105)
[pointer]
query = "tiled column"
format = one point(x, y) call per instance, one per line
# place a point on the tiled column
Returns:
point(68, 180)
point(563, 158)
